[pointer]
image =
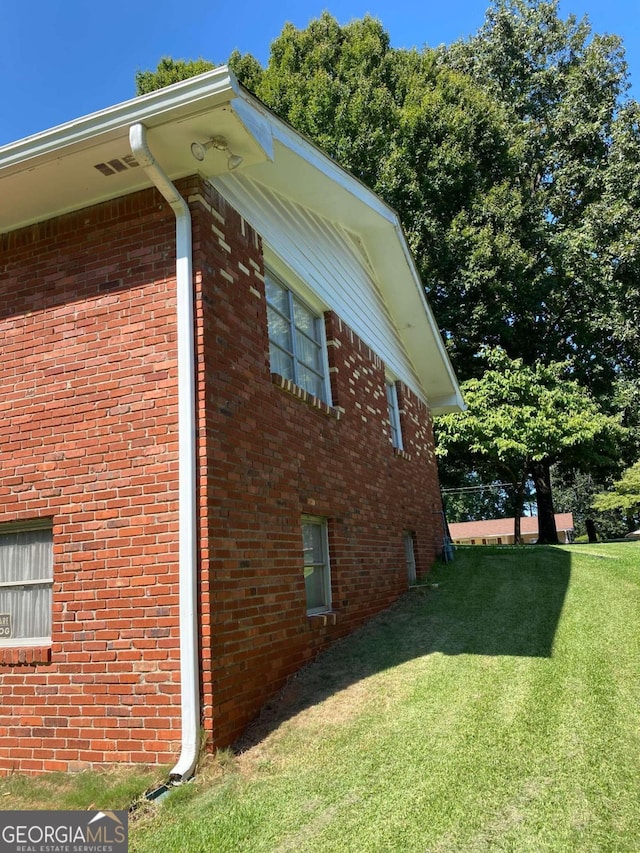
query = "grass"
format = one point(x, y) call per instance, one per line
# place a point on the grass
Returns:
point(112, 789)
point(496, 708)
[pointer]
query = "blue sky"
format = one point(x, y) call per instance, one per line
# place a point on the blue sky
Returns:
point(61, 59)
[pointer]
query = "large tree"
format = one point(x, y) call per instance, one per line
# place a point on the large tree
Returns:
point(562, 87)
point(578, 190)
point(513, 164)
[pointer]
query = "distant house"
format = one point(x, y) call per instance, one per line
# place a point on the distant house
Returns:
point(499, 531)
point(218, 370)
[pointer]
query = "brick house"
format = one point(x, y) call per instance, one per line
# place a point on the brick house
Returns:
point(500, 531)
point(216, 454)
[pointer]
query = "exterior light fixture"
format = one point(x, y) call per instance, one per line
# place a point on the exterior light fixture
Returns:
point(199, 151)
point(234, 161)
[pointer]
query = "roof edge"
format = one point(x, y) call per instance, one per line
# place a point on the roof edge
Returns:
point(219, 81)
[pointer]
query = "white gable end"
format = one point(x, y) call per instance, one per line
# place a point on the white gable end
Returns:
point(329, 261)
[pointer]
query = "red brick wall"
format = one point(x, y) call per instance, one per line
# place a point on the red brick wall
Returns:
point(88, 438)
point(267, 458)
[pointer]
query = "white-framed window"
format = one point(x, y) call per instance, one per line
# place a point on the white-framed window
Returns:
point(394, 414)
point(297, 347)
point(410, 556)
point(317, 571)
point(26, 581)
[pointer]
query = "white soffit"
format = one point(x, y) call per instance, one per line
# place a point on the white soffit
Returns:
point(89, 160)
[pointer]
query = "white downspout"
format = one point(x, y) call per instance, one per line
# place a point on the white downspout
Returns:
point(189, 666)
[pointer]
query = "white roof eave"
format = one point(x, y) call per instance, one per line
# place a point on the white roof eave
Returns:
point(53, 172)
point(219, 86)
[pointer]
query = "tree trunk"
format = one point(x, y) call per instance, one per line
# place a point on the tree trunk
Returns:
point(518, 502)
point(547, 533)
point(517, 535)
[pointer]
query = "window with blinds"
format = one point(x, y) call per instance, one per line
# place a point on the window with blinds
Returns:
point(26, 581)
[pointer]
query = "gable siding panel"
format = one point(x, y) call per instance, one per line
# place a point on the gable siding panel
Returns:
point(330, 261)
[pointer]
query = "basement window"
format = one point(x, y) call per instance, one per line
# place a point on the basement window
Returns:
point(317, 572)
point(408, 538)
point(26, 581)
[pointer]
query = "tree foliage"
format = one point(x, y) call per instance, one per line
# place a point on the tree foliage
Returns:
point(624, 496)
point(521, 417)
point(170, 71)
point(513, 160)
point(481, 497)
point(574, 491)
point(562, 87)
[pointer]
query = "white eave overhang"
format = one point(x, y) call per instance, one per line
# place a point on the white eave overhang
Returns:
point(88, 161)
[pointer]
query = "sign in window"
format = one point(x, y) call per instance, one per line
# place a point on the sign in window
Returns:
point(5, 626)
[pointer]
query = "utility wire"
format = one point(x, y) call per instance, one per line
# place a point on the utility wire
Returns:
point(478, 488)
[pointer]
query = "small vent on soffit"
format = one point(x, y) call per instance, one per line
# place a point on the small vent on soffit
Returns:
point(112, 167)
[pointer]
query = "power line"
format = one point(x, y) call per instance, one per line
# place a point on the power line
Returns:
point(479, 488)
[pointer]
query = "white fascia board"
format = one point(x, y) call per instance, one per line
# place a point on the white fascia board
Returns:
point(335, 173)
point(256, 124)
point(217, 85)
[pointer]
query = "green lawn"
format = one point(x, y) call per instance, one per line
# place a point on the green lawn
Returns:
point(496, 709)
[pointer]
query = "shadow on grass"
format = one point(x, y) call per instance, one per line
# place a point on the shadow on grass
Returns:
point(488, 601)
point(501, 601)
